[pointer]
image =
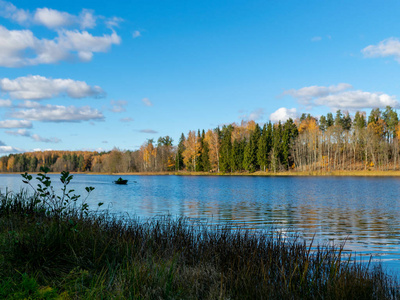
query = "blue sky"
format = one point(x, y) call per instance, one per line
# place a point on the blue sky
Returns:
point(94, 75)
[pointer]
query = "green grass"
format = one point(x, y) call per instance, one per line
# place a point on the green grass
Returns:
point(70, 255)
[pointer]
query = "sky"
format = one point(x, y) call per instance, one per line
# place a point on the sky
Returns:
point(94, 75)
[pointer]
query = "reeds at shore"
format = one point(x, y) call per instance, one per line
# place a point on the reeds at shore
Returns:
point(70, 255)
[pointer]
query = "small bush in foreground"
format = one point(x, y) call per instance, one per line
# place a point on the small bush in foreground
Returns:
point(68, 254)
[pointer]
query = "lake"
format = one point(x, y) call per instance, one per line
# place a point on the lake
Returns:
point(363, 211)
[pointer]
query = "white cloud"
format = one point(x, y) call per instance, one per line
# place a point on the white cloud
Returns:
point(339, 97)
point(15, 124)
point(148, 131)
point(147, 102)
point(353, 100)
point(387, 47)
point(126, 120)
point(58, 113)
point(316, 39)
point(19, 132)
point(52, 18)
point(35, 137)
point(5, 103)
point(113, 22)
point(16, 44)
point(29, 104)
point(47, 17)
point(87, 19)
point(118, 106)
point(254, 115)
point(39, 87)
point(13, 45)
point(9, 11)
point(283, 114)
point(38, 138)
point(9, 150)
point(305, 94)
point(136, 34)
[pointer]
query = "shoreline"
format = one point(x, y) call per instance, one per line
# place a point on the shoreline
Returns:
point(363, 173)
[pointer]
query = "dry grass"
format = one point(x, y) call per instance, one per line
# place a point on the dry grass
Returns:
point(46, 255)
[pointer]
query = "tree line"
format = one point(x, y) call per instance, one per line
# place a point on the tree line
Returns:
point(327, 143)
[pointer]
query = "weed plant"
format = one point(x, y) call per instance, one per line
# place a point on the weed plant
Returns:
point(59, 252)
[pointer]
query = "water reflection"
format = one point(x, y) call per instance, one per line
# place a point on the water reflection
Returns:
point(364, 212)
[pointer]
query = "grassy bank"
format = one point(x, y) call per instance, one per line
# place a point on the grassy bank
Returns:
point(70, 254)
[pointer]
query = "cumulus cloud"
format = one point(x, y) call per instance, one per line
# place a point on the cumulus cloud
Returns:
point(52, 18)
point(22, 48)
point(148, 131)
point(342, 96)
point(283, 114)
point(39, 87)
point(113, 22)
point(126, 120)
point(254, 115)
point(136, 34)
point(15, 124)
point(147, 102)
point(118, 106)
point(19, 132)
point(10, 11)
point(354, 100)
point(47, 17)
point(385, 48)
point(38, 138)
point(305, 94)
point(59, 113)
point(35, 137)
point(9, 150)
point(5, 103)
point(28, 104)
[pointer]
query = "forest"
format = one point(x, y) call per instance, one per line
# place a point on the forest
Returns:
point(333, 142)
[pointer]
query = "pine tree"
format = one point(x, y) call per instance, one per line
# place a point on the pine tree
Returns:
point(204, 158)
point(179, 156)
point(237, 155)
point(250, 154)
point(359, 120)
point(262, 151)
point(290, 132)
point(225, 149)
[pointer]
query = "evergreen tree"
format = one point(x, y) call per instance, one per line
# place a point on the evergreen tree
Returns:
point(262, 151)
point(256, 137)
point(359, 120)
point(250, 154)
point(225, 149)
point(391, 119)
point(346, 122)
point(179, 165)
point(199, 164)
point(290, 132)
point(276, 151)
point(329, 120)
point(323, 123)
point(339, 118)
point(374, 116)
point(237, 155)
point(204, 157)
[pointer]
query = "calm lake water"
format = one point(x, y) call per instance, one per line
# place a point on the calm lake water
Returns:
point(364, 212)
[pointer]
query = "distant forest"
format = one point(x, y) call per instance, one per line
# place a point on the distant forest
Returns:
point(332, 142)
